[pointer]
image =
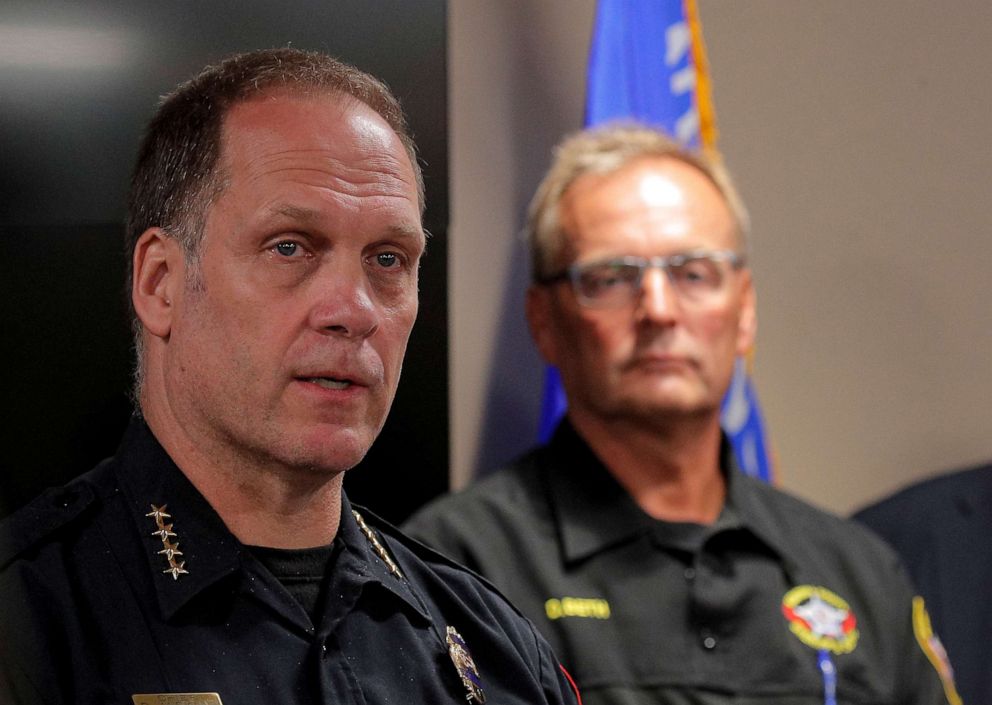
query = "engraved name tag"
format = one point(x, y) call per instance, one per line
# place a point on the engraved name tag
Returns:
point(176, 699)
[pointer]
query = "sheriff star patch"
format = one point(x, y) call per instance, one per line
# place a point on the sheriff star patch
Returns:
point(820, 619)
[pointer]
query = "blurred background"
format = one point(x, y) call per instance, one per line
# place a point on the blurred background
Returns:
point(857, 132)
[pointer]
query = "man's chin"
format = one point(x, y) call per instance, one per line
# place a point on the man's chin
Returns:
point(671, 405)
point(332, 452)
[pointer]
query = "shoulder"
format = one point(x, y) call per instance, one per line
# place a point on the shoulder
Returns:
point(56, 513)
point(952, 493)
point(515, 494)
point(821, 538)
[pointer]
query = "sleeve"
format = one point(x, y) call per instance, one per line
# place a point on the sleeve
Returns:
point(559, 687)
point(920, 671)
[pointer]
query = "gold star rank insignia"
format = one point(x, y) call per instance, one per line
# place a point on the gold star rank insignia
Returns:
point(176, 569)
point(164, 532)
point(158, 513)
point(169, 549)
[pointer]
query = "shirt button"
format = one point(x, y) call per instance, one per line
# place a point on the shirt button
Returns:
point(709, 642)
point(690, 573)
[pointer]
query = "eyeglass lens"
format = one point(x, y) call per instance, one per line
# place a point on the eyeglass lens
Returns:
point(694, 277)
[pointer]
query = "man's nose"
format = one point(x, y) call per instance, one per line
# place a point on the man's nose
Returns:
point(658, 301)
point(345, 303)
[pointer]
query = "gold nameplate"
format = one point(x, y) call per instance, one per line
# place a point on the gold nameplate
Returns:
point(177, 699)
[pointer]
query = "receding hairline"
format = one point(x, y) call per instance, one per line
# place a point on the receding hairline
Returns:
point(592, 176)
point(605, 149)
point(309, 93)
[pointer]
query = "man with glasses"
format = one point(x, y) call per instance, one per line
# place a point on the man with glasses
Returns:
point(657, 570)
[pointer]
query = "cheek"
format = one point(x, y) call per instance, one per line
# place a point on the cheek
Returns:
point(717, 331)
point(605, 340)
point(397, 324)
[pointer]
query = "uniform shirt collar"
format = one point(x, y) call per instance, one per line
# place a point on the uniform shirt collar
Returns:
point(361, 560)
point(148, 478)
point(594, 512)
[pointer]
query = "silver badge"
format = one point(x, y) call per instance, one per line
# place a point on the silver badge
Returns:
point(465, 666)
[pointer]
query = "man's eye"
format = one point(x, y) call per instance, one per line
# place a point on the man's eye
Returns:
point(287, 249)
point(387, 260)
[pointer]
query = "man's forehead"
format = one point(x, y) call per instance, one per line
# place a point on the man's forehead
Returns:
point(661, 180)
point(330, 132)
point(327, 119)
point(658, 192)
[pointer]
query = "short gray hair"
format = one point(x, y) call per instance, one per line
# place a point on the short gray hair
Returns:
point(602, 150)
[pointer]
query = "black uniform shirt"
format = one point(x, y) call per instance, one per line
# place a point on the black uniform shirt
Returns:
point(127, 582)
point(645, 611)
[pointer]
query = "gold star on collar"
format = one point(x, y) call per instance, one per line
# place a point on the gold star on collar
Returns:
point(176, 569)
point(377, 547)
point(164, 532)
point(158, 513)
point(170, 550)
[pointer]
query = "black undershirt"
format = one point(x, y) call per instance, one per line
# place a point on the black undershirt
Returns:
point(302, 571)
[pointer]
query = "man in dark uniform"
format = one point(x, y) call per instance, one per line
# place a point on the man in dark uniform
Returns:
point(942, 530)
point(274, 232)
point(659, 573)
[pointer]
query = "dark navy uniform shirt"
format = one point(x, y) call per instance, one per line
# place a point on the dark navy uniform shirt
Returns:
point(126, 582)
point(644, 611)
point(942, 529)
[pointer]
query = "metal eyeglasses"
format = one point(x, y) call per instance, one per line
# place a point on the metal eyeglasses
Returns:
point(696, 277)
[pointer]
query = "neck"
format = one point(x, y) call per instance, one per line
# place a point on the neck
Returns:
point(672, 471)
point(262, 502)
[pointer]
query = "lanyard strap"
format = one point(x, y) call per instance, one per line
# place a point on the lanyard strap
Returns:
point(829, 672)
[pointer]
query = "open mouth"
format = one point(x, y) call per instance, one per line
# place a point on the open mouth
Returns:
point(329, 382)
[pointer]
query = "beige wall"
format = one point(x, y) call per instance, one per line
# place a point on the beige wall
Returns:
point(858, 132)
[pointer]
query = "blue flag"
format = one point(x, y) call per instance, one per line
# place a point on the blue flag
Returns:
point(646, 62)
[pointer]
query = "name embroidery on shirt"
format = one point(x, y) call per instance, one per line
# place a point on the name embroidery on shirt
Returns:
point(588, 607)
point(820, 619)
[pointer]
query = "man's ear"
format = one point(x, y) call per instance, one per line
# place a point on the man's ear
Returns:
point(747, 324)
point(540, 320)
point(159, 276)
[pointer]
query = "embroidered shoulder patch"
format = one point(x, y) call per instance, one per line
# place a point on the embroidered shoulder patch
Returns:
point(820, 619)
point(934, 650)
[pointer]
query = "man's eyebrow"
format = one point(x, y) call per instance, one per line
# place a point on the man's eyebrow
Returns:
point(307, 215)
point(310, 216)
point(406, 231)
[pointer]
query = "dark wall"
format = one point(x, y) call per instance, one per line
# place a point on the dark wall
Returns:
point(78, 81)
